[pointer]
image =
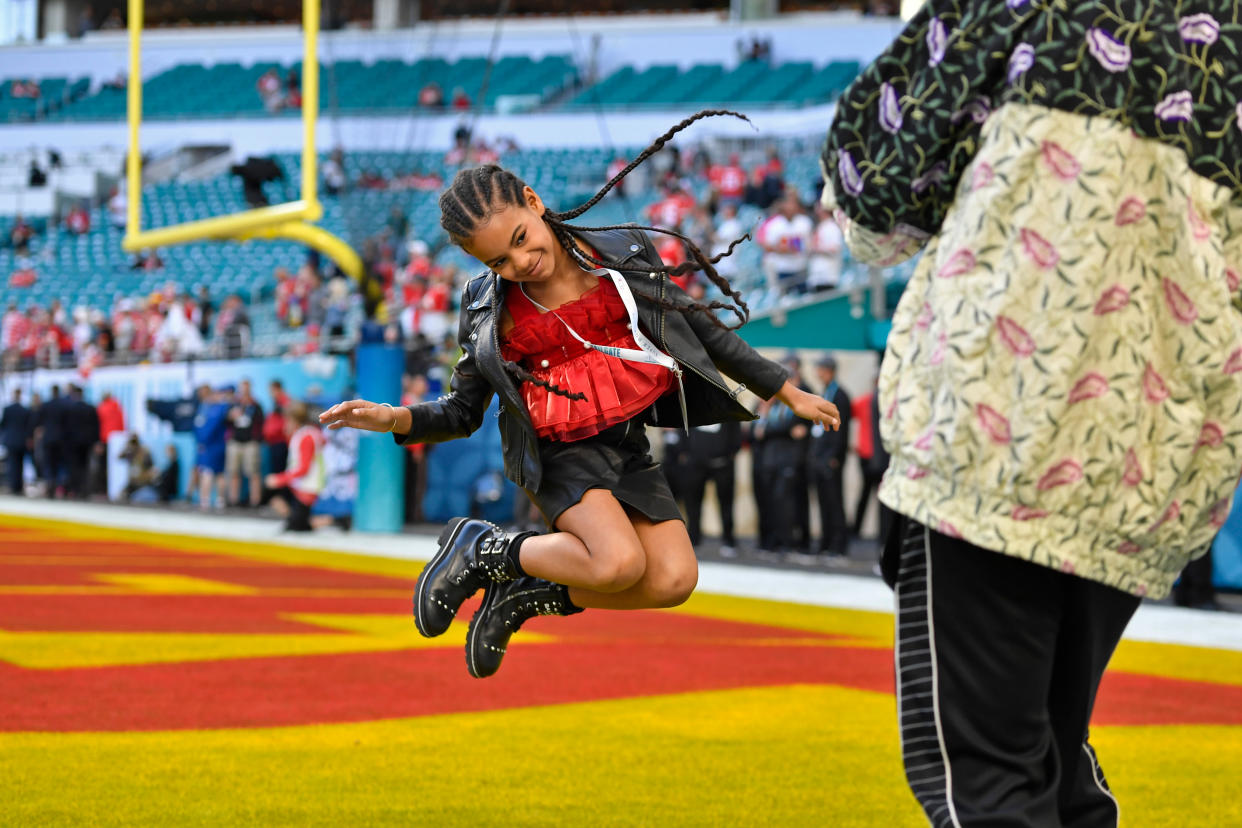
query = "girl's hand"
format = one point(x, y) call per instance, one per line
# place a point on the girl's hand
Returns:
point(364, 415)
point(809, 406)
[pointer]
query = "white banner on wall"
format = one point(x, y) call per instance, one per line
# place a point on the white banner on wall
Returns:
point(317, 378)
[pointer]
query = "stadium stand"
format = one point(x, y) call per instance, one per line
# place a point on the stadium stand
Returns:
point(796, 83)
point(228, 90)
point(90, 269)
point(44, 98)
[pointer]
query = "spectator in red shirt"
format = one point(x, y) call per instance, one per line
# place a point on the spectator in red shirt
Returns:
point(35, 334)
point(11, 325)
point(13, 328)
point(420, 266)
point(460, 99)
point(273, 430)
point(293, 90)
point(431, 96)
point(111, 417)
point(285, 288)
point(414, 390)
point(865, 446)
point(78, 221)
point(25, 89)
point(772, 166)
point(672, 253)
point(728, 182)
point(482, 153)
point(614, 169)
point(417, 180)
point(23, 277)
point(111, 421)
point(670, 210)
point(371, 180)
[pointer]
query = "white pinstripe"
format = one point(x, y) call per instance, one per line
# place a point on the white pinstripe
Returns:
point(1099, 781)
point(931, 632)
point(922, 750)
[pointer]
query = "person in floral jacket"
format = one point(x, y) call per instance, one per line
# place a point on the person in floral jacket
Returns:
point(1061, 389)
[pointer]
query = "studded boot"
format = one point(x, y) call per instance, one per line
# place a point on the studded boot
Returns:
point(506, 606)
point(472, 554)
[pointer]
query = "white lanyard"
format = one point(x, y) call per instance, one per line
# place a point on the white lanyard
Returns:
point(649, 354)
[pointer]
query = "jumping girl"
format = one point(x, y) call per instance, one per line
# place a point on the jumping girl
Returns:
point(586, 340)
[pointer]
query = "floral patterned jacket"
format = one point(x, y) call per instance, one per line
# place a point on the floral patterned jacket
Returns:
point(1063, 382)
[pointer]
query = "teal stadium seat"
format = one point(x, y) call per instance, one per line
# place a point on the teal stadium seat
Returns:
point(730, 85)
point(603, 93)
point(687, 86)
point(777, 85)
point(635, 90)
point(829, 82)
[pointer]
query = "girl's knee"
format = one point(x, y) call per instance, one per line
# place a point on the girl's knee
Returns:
point(674, 585)
point(619, 568)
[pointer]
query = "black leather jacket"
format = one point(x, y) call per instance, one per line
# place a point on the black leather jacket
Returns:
point(701, 348)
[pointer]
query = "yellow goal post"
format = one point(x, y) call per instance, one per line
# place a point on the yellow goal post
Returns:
point(293, 220)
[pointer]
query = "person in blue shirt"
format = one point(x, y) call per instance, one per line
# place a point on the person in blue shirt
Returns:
point(211, 425)
point(180, 413)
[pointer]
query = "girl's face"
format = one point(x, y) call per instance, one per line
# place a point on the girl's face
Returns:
point(516, 242)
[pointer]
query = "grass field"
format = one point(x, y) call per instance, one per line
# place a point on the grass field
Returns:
point(155, 679)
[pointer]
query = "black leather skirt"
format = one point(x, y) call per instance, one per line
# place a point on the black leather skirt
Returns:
point(617, 459)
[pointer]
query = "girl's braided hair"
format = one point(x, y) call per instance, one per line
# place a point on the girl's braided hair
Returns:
point(478, 193)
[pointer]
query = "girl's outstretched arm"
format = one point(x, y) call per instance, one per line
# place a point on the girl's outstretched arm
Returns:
point(809, 406)
point(458, 413)
point(367, 416)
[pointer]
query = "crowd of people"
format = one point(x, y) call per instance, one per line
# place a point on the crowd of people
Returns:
point(233, 437)
point(63, 436)
point(164, 326)
point(790, 462)
point(245, 457)
point(277, 94)
point(802, 251)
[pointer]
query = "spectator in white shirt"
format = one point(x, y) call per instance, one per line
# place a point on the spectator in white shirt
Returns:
point(334, 172)
point(827, 252)
point(786, 242)
point(118, 209)
point(728, 229)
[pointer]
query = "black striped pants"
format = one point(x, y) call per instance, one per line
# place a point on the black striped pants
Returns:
point(998, 662)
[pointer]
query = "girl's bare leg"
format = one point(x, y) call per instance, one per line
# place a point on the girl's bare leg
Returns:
point(595, 548)
point(611, 559)
point(670, 577)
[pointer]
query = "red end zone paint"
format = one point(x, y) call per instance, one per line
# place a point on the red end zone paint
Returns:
point(597, 655)
point(367, 686)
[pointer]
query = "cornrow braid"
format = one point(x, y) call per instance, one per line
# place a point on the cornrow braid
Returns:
point(656, 146)
point(526, 376)
point(474, 196)
point(697, 261)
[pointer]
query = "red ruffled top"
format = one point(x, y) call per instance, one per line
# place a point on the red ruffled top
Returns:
point(616, 389)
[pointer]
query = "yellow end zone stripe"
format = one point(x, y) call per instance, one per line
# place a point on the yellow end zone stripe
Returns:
point(795, 755)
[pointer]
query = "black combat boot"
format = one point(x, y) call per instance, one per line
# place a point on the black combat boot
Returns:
point(472, 554)
point(506, 606)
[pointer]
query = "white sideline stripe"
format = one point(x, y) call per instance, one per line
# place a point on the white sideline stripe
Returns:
point(1168, 625)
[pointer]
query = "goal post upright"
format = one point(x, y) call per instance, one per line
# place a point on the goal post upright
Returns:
point(292, 220)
